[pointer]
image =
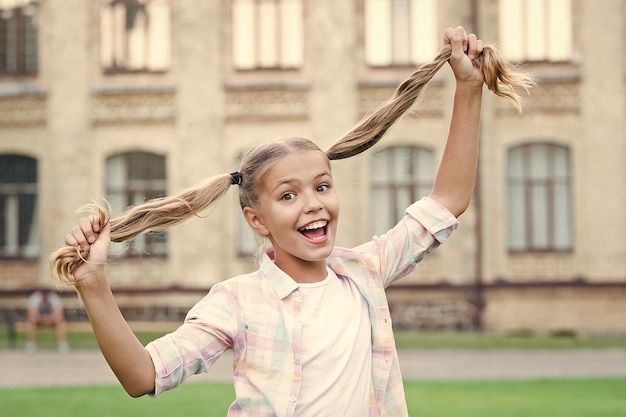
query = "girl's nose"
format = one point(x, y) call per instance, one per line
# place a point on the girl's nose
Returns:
point(313, 204)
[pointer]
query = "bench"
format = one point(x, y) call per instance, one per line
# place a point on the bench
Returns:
point(136, 326)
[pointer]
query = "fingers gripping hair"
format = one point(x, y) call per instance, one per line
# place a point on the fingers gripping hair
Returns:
point(501, 77)
point(153, 215)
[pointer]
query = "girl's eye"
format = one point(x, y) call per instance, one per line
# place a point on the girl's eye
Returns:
point(323, 187)
point(287, 196)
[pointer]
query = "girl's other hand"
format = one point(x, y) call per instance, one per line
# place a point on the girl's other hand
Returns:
point(465, 49)
point(92, 241)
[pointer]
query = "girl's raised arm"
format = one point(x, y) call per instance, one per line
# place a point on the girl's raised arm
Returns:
point(454, 182)
point(122, 350)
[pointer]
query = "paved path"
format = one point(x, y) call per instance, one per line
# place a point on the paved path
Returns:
point(87, 367)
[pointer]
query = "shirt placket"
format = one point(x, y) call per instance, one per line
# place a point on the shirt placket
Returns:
point(293, 318)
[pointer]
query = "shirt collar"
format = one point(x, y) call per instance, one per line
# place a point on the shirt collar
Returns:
point(282, 283)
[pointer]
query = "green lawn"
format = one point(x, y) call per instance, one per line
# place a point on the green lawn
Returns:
point(540, 398)
point(404, 340)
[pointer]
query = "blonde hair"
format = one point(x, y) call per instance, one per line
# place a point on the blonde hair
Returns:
point(501, 77)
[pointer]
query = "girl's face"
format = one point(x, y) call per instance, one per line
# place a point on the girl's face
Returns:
point(298, 210)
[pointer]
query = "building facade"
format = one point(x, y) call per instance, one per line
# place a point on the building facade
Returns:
point(126, 100)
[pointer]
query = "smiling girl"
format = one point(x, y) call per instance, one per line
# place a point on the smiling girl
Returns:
point(310, 330)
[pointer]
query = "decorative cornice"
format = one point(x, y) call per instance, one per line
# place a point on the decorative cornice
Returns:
point(429, 104)
point(133, 106)
point(24, 110)
point(548, 97)
point(268, 103)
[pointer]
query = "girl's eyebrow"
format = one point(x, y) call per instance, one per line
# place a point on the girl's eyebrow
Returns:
point(288, 181)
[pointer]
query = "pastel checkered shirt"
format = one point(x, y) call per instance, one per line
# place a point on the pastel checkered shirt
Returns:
point(257, 317)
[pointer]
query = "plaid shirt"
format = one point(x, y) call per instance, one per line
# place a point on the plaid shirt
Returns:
point(258, 316)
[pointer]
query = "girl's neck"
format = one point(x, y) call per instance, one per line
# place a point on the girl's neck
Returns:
point(304, 272)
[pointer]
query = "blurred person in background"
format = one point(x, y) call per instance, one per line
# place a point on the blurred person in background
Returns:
point(45, 309)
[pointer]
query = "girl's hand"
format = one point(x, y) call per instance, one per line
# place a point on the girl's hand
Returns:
point(465, 49)
point(92, 242)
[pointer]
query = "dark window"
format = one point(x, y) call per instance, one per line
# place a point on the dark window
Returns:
point(18, 38)
point(133, 178)
point(18, 207)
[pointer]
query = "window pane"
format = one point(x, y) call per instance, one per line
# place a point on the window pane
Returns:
point(516, 164)
point(538, 162)
point(516, 217)
point(382, 217)
point(562, 217)
point(424, 35)
point(403, 200)
point(268, 36)
point(291, 33)
point(401, 31)
point(535, 30)
point(539, 216)
point(159, 29)
point(243, 34)
point(560, 25)
point(561, 163)
point(377, 32)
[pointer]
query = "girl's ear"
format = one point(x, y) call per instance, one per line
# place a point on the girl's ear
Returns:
point(255, 221)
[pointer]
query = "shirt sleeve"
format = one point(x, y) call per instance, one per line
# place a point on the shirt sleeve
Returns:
point(426, 225)
point(207, 332)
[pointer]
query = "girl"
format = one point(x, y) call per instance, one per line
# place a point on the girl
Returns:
point(310, 330)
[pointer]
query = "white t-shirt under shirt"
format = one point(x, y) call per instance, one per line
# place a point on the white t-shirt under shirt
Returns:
point(336, 349)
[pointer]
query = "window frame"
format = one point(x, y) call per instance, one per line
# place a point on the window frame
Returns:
point(416, 184)
point(25, 243)
point(21, 50)
point(531, 183)
point(129, 192)
point(532, 21)
point(288, 51)
point(422, 38)
point(118, 44)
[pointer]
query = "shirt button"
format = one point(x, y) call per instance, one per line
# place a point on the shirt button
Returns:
point(292, 399)
point(296, 293)
point(296, 358)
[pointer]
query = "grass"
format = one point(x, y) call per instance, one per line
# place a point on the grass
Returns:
point(537, 398)
point(404, 340)
point(418, 340)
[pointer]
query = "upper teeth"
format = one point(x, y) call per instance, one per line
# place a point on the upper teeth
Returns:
point(315, 225)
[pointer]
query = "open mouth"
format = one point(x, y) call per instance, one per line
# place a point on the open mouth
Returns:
point(315, 230)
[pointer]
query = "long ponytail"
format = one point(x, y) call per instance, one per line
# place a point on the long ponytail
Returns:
point(501, 77)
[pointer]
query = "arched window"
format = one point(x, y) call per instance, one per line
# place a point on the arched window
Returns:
point(536, 30)
point(539, 193)
point(267, 33)
point(135, 35)
point(400, 176)
point(400, 32)
point(19, 237)
point(133, 178)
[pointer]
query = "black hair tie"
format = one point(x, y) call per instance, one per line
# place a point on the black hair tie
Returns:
point(235, 178)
